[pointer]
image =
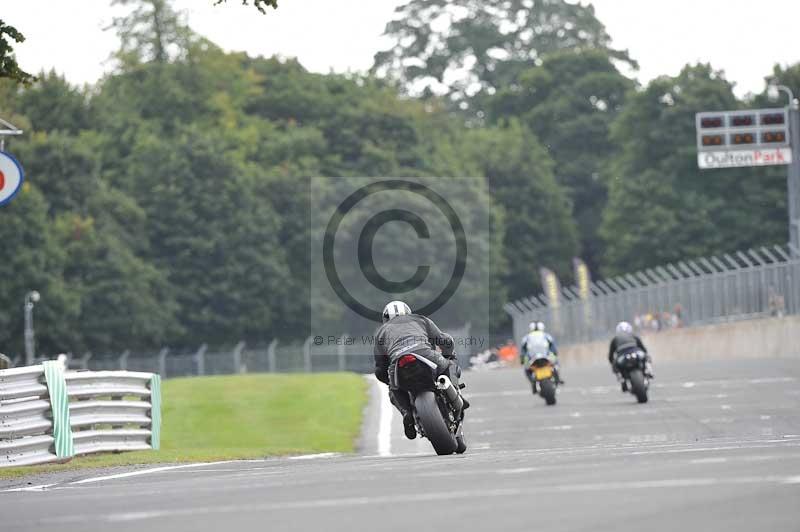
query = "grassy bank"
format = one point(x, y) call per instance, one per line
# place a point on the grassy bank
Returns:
point(245, 416)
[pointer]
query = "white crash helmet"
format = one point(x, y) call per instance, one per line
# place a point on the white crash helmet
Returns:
point(394, 309)
point(624, 327)
point(536, 326)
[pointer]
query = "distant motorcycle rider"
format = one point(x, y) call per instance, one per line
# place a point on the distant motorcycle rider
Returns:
point(625, 341)
point(538, 337)
point(402, 333)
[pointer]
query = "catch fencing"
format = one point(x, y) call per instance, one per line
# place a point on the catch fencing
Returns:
point(48, 414)
point(736, 286)
point(340, 353)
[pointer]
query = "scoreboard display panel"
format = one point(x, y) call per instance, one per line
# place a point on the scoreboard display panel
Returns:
point(742, 130)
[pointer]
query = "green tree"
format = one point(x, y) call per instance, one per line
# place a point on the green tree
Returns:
point(160, 18)
point(213, 231)
point(261, 5)
point(125, 302)
point(119, 300)
point(64, 167)
point(354, 125)
point(661, 207)
point(782, 75)
point(51, 103)
point(539, 230)
point(32, 260)
point(9, 68)
point(570, 102)
point(468, 48)
point(151, 31)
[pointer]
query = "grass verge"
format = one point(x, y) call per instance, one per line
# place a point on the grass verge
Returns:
point(244, 416)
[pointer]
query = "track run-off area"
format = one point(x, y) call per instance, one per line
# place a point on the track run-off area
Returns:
point(716, 448)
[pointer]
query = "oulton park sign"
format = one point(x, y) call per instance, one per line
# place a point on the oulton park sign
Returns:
point(740, 158)
point(744, 137)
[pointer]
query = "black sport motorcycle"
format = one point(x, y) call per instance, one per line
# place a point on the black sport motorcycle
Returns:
point(437, 405)
point(632, 367)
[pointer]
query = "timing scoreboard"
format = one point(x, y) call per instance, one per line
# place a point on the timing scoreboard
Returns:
point(728, 139)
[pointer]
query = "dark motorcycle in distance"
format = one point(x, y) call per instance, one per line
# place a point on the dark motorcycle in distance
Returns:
point(436, 403)
point(632, 373)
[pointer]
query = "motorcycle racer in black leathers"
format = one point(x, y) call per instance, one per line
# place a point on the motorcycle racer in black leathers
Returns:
point(625, 341)
point(403, 332)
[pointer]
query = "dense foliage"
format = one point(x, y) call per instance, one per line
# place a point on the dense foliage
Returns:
point(471, 48)
point(168, 204)
point(9, 68)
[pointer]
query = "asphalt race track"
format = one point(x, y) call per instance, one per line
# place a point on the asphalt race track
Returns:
point(717, 448)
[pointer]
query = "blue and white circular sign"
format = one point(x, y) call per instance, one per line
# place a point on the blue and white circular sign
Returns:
point(11, 177)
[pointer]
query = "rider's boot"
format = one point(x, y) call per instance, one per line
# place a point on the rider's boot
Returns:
point(409, 425)
point(622, 382)
point(402, 402)
point(648, 370)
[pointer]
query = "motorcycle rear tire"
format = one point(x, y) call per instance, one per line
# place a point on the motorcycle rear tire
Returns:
point(639, 388)
point(548, 391)
point(433, 424)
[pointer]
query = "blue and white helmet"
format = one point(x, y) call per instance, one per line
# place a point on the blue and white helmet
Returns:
point(624, 327)
point(394, 309)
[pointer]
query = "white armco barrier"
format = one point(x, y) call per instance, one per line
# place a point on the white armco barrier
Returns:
point(49, 415)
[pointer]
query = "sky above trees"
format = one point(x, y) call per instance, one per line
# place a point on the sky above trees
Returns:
point(661, 36)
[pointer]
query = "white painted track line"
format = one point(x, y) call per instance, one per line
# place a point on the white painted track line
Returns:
point(385, 422)
point(150, 471)
point(162, 469)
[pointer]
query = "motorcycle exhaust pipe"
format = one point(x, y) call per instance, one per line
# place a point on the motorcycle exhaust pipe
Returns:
point(443, 383)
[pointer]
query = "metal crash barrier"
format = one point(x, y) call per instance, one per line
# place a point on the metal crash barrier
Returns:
point(48, 414)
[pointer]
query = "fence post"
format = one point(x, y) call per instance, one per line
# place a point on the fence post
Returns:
point(162, 362)
point(774, 280)
point(736, 273)
point(745, 282)
point(271, 362)
point(794, 286)
point(607, 303)
point(307, 354)
point(516, 318)
point(598, 297)
point(200, 359)
point(648, 294)
point(632, 296)
point(237, 358)
point(720, 272)
point(759, 293)
point(85, 360)
point(123, 359)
